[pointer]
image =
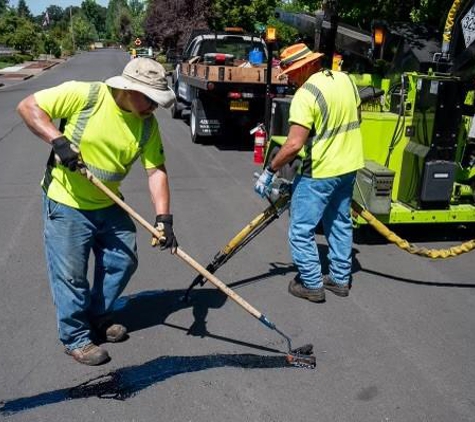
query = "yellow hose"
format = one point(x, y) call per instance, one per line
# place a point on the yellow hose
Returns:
point(449, 23)
point(404, 244)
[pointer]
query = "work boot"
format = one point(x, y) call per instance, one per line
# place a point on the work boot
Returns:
point(297, 289)
point(106, 330)
point(341, 290)
point(89, 354)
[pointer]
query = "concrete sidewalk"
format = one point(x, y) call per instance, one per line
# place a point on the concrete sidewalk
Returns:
point(26, 70)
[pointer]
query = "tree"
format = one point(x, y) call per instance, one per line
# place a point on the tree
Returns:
point(51, 45)
point(18, 32)
point(117, 19)
point(361, 12)
point(137, 12)
point(23, 10)
point(3, 6)
point(84, 32)
point(169, 22)
point(55, 14)
point(96, 15)
point(244, 13)
point(125, 27)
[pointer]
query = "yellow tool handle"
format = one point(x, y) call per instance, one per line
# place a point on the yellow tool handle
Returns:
point(185, 257)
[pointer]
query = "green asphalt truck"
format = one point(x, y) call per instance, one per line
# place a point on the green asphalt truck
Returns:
point(418, 112)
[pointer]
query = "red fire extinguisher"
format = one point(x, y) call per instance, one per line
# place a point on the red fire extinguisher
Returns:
point(260, 139)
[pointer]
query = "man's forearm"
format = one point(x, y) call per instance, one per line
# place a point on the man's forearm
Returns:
point(159, 190)
point(297, 137)
point(286, 154)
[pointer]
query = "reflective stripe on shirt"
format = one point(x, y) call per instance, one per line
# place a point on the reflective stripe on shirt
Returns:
point(85, 113)
point(324, 132)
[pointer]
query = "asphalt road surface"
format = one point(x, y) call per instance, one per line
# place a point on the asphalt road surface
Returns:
point(399, 348)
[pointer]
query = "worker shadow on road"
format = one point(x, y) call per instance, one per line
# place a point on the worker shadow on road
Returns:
point(127, 382)
point(288, 270)
point(381, 276)
point(276, 269)
point(151, 308)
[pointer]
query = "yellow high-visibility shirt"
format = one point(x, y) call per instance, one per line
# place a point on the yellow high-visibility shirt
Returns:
point(327, 104)
point(109, 139)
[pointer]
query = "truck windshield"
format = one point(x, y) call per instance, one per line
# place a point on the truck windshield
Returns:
point(237, 46)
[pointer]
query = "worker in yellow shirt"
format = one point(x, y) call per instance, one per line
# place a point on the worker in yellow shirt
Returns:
point(107, 126)
point(324, 121)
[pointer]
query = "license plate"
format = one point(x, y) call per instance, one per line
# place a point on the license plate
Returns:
point(239, 105)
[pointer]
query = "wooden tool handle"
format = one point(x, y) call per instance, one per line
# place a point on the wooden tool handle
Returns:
point(185, 257)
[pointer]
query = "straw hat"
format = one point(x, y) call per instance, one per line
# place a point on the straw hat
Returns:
point(296, 56)
point(146, 76)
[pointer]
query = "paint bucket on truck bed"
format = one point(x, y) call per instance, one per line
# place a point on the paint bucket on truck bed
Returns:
point(256, 56)
point(219, 59)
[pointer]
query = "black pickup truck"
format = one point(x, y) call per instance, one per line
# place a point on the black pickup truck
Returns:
point(220, 85)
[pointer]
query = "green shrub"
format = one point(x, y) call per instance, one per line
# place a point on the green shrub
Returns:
point(8, 59)
point(20, 58)
point(51, 46)
point(16, 58)
point(161, 58)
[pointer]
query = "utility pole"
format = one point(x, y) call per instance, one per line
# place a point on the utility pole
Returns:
point(72, 31)
point(270, 39)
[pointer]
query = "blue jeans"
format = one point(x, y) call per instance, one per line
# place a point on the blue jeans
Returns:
point(70, 235)
point(328, 200)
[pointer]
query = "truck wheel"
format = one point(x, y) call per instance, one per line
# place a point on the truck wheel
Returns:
point(195, 138)
point(175, 111)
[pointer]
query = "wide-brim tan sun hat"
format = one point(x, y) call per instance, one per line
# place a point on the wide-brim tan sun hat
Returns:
point(296, 56)
point(146, 76)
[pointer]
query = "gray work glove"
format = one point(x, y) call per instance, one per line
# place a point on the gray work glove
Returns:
point(263, 185)
point(66, 151)
point(164, 224)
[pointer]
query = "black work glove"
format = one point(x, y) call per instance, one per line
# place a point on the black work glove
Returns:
point(164, 224)
point(66, 151)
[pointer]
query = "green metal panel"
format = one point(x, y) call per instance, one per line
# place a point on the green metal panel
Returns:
point(378, 130)
point(401, 213)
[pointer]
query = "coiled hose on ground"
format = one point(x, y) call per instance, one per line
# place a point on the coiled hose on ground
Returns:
point(404, 244)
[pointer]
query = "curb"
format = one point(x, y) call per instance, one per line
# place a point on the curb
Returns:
point(11, 76)
point(32, 69)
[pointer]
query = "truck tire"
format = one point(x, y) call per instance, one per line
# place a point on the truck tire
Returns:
point(194, 116)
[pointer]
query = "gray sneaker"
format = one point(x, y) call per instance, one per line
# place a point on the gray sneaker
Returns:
point(89, 354)
point(341, 290)
point(297, 289)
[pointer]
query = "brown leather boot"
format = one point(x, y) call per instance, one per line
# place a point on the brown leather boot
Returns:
point(297, 289)
point(341, 290)
point(89, 354)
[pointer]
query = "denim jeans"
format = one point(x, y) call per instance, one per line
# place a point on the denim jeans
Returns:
point(328, 200)
point(70, 235)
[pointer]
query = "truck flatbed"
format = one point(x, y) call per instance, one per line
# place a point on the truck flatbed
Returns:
point(198, 74)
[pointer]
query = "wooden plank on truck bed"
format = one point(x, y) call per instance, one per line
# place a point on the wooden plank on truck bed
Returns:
point(217, 73)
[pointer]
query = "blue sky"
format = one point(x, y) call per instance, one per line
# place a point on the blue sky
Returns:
point(37, 7)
